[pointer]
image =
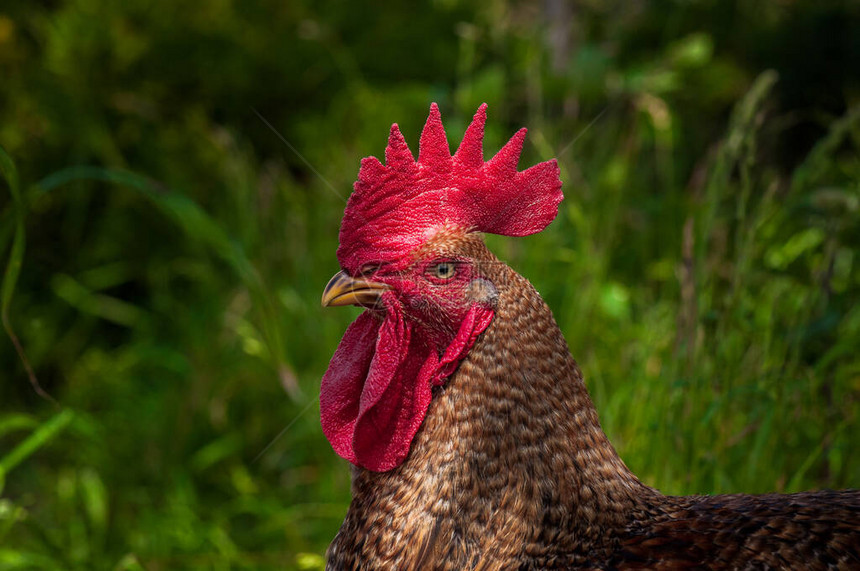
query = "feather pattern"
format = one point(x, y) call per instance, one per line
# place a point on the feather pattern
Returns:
point(511, 470)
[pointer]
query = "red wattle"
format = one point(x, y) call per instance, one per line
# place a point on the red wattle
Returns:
point(341, 385)
point(377, 389)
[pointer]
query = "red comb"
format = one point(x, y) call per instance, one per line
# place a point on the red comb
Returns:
point(396, 207)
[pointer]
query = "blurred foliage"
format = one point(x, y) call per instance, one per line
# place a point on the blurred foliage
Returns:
point(170, 202)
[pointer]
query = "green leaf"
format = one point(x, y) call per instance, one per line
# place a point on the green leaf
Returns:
point(103, 306)
point(780, 256)
point(36, 440)
point(17, 421)
point(17, 559)
point(129, 562)
point(694, 50)
point(10, 514)
point(95, 498)
point(310, 561)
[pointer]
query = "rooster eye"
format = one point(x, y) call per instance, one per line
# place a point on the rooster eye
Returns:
point(443, 270)
point(368, 269)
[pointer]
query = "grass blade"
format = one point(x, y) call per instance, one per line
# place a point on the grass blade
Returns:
point(39, 438)
point(13, 268)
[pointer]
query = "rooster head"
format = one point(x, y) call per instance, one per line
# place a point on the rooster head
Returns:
point(411, 254)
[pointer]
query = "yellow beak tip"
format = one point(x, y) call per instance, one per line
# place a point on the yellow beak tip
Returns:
point(343, 289)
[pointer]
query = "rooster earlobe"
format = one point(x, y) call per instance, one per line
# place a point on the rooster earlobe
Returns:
point(470, 154)
point(397, 153)
point(433, 149)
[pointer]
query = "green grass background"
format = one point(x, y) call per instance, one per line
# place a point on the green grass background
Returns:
point(173, 177)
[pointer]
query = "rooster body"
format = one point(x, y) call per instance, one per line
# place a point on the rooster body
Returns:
point(510, 468)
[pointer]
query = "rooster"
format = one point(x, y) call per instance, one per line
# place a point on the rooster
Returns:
point(473, 440)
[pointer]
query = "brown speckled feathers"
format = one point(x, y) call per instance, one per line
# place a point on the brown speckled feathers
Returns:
point(511, 470)
point(809, 530)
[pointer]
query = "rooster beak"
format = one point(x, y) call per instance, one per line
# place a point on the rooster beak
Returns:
point(344, 289)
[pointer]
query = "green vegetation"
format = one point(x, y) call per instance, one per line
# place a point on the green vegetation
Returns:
point(164, 248)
